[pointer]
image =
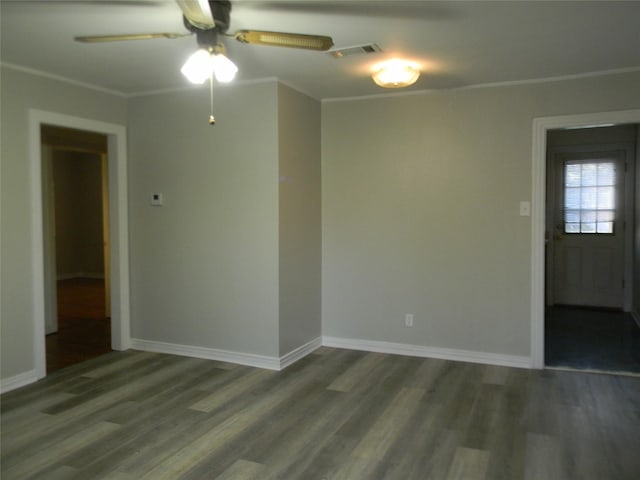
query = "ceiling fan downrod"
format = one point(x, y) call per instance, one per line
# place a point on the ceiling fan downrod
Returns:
point(212, 120)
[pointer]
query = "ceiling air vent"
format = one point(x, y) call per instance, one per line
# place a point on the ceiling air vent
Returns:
point(357, 50)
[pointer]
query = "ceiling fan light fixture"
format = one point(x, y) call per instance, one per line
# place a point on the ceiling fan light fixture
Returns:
point(203, 63)
point(396, 74)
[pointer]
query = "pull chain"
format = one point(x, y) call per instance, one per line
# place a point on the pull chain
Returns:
point(212, 120)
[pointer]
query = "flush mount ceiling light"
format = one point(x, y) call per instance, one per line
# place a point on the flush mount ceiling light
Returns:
point(396, 74)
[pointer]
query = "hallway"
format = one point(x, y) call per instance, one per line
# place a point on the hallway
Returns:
point(83, 330)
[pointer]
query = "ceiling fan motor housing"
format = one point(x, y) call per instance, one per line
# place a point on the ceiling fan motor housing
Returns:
point(208, 37)
point(221, 13)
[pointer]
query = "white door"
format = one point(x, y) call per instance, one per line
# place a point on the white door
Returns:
point(589, 235)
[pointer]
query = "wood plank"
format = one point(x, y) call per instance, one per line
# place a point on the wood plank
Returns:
point(384, 431)
point(543, 458)
point(231, 391)
point(357, 372)
point(495, 375)
point(244, 470)
point(469, 464)
point(62, 472)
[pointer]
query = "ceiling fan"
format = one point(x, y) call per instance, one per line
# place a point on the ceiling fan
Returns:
point(210, 18)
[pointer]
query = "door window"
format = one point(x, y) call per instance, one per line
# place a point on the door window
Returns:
point(589, 197)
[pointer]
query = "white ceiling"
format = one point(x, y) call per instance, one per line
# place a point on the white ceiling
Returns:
point(457, 43)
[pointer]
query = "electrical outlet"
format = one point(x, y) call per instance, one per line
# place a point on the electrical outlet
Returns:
point(157, 199)
point(408, 320)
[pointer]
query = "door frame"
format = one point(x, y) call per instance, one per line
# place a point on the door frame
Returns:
point(541, 126)
point(119, 231)
point(49, 240)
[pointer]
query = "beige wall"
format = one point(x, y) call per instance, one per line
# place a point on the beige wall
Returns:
point(19, 93)
point(299, 219)
point(421, 211)
point(204, 266)
point(78, 214)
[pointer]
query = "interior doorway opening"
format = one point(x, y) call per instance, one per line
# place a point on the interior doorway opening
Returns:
point(591, 249)
point(75, 187)
point(118, 228)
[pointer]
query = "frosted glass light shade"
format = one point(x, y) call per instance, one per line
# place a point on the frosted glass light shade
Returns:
point(198, 66)
point(223, 68)
point(396, 74)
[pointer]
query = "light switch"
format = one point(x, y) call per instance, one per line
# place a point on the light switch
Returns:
point(157, 200)
point(525, 209)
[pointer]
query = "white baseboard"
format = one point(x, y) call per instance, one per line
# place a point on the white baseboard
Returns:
point(249, 359)
point(300, 352)
point(275, 363)
point(17, 381)
point(428, 352)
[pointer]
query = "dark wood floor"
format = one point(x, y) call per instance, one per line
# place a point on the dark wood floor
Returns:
point(336, 414)
point(84, 331)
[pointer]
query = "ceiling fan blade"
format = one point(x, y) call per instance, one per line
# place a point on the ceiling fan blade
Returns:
point(132, 36)
point(197, 13)
point(280, 39)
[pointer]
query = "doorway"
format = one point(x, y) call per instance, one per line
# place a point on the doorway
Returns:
point(76, 245)
point(589, 249)
point(116, 164)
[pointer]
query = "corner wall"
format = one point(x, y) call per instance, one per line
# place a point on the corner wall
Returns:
point(205, 265)
point(299, 219)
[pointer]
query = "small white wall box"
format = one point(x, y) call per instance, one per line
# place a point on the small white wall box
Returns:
point(157, 200)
